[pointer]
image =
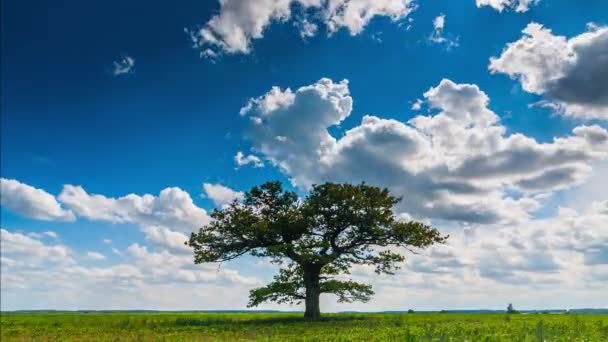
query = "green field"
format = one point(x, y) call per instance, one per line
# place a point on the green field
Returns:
point(287, 326)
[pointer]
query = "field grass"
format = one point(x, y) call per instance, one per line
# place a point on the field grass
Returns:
point(291, 327)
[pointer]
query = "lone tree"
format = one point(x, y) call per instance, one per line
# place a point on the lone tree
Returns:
point(315, 239)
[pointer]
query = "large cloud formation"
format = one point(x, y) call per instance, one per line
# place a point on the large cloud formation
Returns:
point(35, 264)
point(568, 251)
point(239, 22)
point(571, 74)
point(458, 164)
point(480, 265)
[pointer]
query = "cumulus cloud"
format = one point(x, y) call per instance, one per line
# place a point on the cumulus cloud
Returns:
point(35, 272)
point(239, 22)
point(354, 15)
point(458, 164)
point(168, 238)
point(27, 249)
point(501, 5)
point(481, 266)
point(32, 202)
point(241, 160)
point(221, 195)
point(172, 208)
point(95, 256)
point(123, 66)
point(570, 74)
point(438, 37)
point(563, 244)
point(165, 219)
point(565, 251)
point(166, 267)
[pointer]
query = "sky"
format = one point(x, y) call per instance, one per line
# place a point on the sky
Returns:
point(124, 124)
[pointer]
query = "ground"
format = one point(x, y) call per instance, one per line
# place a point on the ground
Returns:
point(290, 326)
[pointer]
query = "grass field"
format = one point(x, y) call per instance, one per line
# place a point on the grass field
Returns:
point(287, 326)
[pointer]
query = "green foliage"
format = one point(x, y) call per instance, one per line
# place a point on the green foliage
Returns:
point(322, 236)
point(290, 327)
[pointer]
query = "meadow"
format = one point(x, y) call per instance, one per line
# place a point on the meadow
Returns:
point(291, 327)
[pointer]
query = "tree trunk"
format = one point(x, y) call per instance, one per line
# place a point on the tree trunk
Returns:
point(313, 291)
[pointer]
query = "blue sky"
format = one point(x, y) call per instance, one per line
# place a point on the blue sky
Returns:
point(73, 114)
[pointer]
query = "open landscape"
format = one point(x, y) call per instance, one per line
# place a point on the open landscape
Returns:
point(304, 170)
point(292, 327)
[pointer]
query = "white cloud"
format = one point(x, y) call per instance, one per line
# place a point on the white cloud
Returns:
point(172, 208)
point(438, 37)
point(240, 159)
point(107, 241)
point(356, 14)
point(95, 256)
point(166, 267)
point(308, 29)
point(28, 249)
point(51, 234)
point(168, 238)
point(239, 22)
point(221, 195)
point(551, 248)
point(457, 164)
point(39, 236)
point(31, 202)
point(570, 74)
point(123, 66)
point(439, 22)
point(488, 265)
point(38, 275)
point(500, 5)
point(481, 266)
point(165, 219)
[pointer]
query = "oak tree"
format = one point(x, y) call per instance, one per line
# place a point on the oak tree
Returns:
point(316, 240)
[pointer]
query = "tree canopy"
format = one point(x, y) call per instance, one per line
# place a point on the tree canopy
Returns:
point(316, 240)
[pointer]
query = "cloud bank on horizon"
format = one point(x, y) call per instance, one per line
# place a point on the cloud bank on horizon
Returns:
point(456, 166)
point(527, 214)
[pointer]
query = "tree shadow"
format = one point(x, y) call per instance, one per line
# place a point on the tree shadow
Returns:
point(208, 321)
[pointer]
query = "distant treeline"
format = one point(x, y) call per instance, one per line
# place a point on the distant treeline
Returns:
point(481, 311)
point(472, 311)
